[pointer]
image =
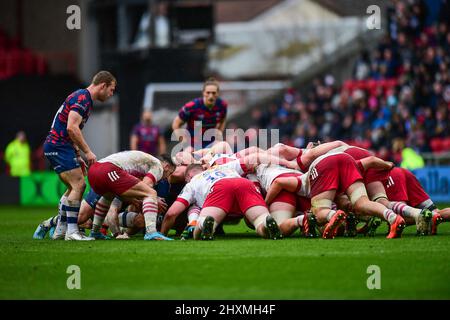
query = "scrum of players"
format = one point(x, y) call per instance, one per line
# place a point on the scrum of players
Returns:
point(325, 190)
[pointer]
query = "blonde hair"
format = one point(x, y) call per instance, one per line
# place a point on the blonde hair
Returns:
point(103, 77)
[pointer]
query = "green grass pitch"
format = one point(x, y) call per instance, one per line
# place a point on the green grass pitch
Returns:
point(237, 266)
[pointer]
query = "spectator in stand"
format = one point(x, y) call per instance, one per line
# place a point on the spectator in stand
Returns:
point(399, 94)
point(17, 156)
point(147, 137)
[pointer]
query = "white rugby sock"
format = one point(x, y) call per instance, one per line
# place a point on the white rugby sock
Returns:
point(404, 210)
point(101, 209)
point(72, 210)
point(193, 214)
point(61, 226)
point(389, 215)
point(150, 210)
point(330, 215)
point(299, 221)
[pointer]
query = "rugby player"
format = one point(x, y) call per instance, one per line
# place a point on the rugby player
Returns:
point(62, 148)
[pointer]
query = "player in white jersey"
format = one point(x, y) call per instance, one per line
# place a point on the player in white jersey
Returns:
point(120, 175)
point(284, 206)
point(219, 191)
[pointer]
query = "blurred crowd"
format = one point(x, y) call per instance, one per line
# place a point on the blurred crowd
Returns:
point(399, 95)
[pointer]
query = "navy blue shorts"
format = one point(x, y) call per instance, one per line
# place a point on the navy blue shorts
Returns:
point(91, 198)
point(61, 157)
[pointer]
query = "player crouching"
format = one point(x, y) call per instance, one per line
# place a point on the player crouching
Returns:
point(218, 192)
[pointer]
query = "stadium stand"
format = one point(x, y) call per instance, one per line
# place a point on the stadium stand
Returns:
point(399, 94)
point(15, 60)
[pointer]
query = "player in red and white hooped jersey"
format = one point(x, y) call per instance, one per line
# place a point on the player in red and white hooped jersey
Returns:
point(284, 205)
point(403, 189)
point(120, 175)
point(373, 180)
point(219, 191)
point(337, 173)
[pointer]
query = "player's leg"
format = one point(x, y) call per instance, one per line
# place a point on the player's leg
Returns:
point(419, 198)
point(251, 203)
point(362, 205)
point(265, 225)
point(100, 212)
point(342, 202)
point(87, 207)
point(321, 207)
point(307, 223)
point(192, 216)
point(438, 216)
point(148, 195)
point(61, 227)
point(283, 214)
point(421, 218)
point(50, 224)
point(75, 179)
point(207, 222)
point(131, 221)
point(86, 212)
point(248, 151)
point(45, 226)
point(445, 214)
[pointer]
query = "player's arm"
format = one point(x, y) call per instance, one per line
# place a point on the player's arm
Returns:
point(255, 159)
point(182, 134)
point(221, 125)
point(149, 180)
point(73, 129)
point(133, 142)
point(221, 147)
point(287, 183)
point(311, 154)
point(201, 152)
point(162, 145)
point(376, 163)
point(171, 215)
point(154, 175)
point(113, 217)
point(284, 151)
point(177, 123)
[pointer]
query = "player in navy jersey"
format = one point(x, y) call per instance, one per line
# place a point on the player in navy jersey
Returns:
point(210, 111)
point(147, 137)
point(62, 148)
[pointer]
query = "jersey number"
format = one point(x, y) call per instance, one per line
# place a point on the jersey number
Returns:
point(213, 176)
point(56, 115)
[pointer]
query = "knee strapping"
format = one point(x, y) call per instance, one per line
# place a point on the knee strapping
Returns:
point(379, 196)
point(259, 220)
point(281, 215)
point(322, 203)
point(126, 219)
point(357, 194)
